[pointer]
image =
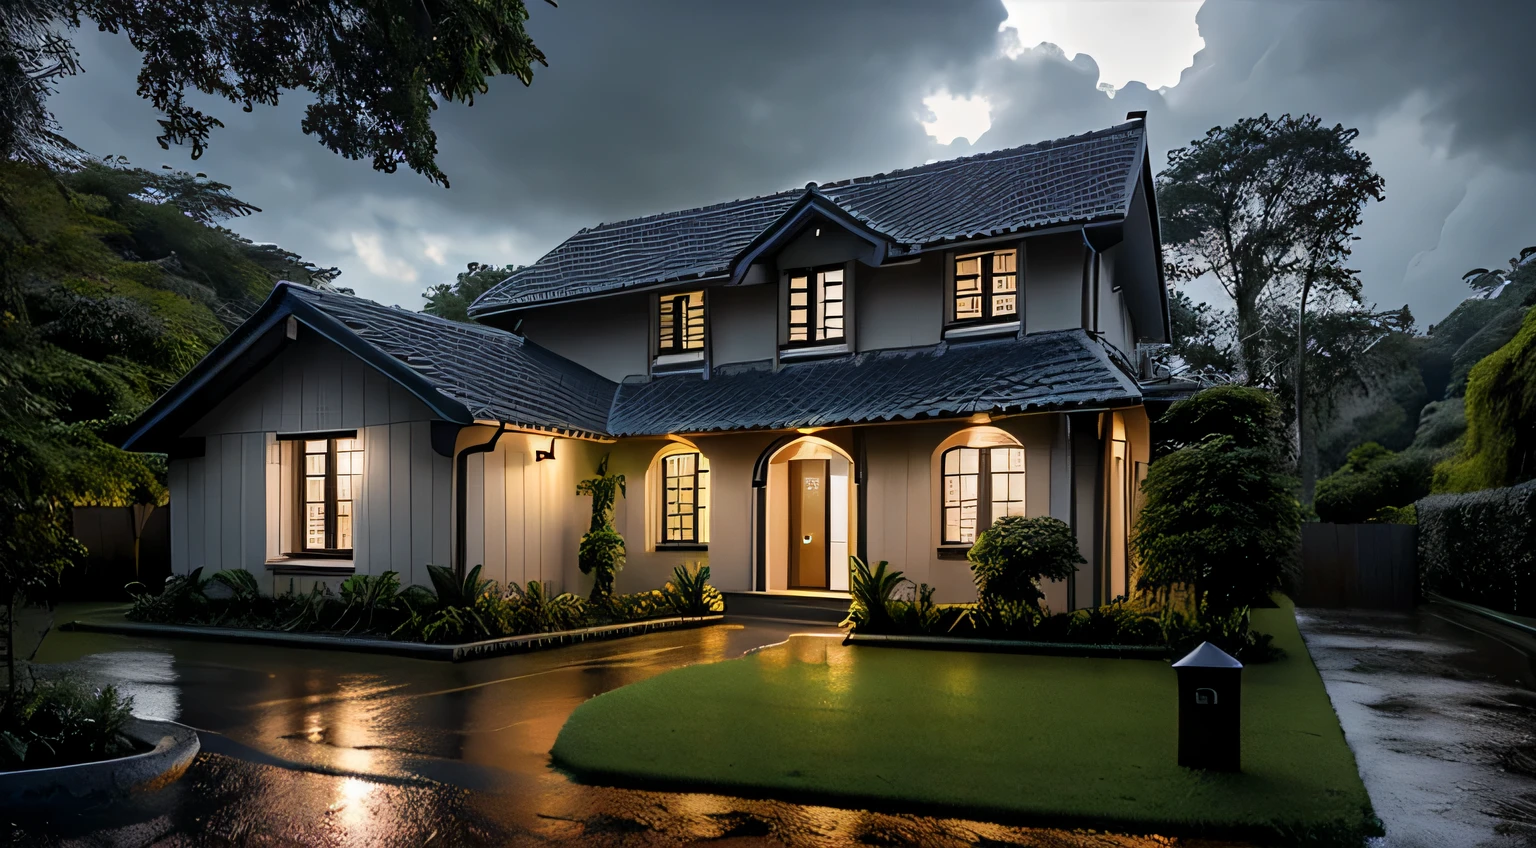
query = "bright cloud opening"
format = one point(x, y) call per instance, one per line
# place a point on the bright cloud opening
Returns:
point(1138, 40)
point(957, 117)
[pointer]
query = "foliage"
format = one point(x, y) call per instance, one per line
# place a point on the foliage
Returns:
point(1480, 547)
point(241, 584)
point(1011, 557)
point(1500, 445)
point(61, 722)
point(1250, 416)
point(184, 598)
point(452, 300)
point(871, 593)
point(366, 597)
point(1201, 335)
point(689, 593)
point(1261, 201)
point(1372, 479)
point(601, 552)
point(374, 71)
point(1220, 518)
point(454, 591)
point(542, 610)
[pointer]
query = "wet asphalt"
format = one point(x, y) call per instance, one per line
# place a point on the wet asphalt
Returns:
point(310, 747)
point(1437, 705)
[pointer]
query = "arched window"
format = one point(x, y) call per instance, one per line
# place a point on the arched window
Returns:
point(980, 485)
point(684, 499)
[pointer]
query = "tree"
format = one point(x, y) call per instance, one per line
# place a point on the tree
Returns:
point(452, 300)
point(1486, 282)
point(1219, 514)
point(1200, 335)
point(601, 552)
point(1263, 201)
point(1500, 445)
point(374, 68)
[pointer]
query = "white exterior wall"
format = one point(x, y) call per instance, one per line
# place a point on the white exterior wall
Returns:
point(234, 506)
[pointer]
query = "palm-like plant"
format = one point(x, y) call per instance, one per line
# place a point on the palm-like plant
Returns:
point(364, 596)
point(872, 592)
point(689, 592)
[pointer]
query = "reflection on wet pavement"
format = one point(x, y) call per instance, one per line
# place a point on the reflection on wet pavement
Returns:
point(1438, 708)
point(304, 747)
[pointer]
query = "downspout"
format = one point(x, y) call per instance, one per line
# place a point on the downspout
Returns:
point(1090, 285)
point(1071, 508)
point(861, 497)
point(462, 530)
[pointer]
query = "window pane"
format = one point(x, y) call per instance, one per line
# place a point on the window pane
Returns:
point(799, 298)
point(967, 308)
point(343, 531)
point(969, 458)
point(314, 525)
point(315, 446)
point(314, 463)
point(952, 461)
point(834, 275)
point(968, 267)
point(1003, 304)
point(1003, 284)
point(314, 490)
point(1003, 262)
point(346, 445)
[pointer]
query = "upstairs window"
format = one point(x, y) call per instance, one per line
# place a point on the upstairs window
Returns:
point(816, 305)
point(981, 485)
point(331, 475)
point(685, 499)
point(987, 287)
point(681, 324)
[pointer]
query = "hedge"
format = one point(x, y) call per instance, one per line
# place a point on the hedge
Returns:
point(1480, 547)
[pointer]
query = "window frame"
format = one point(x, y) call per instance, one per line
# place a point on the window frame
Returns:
point(698, 511)
point(984, 489)
point(329, 493)
point(679, 343)
point(986, 274)
point(815, 310)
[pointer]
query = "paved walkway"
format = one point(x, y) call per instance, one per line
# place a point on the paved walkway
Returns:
point(1438, 706)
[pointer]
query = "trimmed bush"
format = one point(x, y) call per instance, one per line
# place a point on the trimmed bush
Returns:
point(1012, 556)
point(1372, 480)
point(1250, 416)
point(1481, 547)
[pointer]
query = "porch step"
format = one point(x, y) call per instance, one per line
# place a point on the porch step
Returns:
point(795, 606)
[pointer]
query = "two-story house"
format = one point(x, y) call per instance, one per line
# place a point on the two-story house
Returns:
point(878, 367)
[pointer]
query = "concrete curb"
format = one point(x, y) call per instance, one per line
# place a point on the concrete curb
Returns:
point(1494, 615)
point(1009, 646)
point(172, 747)
point(413, 650)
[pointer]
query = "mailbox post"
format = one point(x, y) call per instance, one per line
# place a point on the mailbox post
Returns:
point(1210, 709)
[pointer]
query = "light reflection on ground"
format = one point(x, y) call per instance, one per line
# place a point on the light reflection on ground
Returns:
point(324, 748)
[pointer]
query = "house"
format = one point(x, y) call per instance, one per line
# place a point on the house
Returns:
point(877, 367)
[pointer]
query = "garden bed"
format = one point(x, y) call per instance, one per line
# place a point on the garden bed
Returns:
point(1030, 739)
point(1009, 646)
point(165, 750)
point(381, 645)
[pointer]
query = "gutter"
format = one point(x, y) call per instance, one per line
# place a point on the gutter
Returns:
point(461, 529)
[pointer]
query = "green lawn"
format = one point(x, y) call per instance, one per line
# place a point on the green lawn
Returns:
point(1043, 740)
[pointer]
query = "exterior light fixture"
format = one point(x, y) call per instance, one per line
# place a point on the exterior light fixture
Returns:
point(541, 455)
point(981, 418)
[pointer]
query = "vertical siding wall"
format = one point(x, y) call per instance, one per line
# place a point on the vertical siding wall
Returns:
point(227, 506)
point(525, 518)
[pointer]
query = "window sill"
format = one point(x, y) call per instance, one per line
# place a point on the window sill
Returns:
point(678, 363)
point(954, 552)
point(795, 354)
point(979, 331)
point(681, 547)
point(310, 565)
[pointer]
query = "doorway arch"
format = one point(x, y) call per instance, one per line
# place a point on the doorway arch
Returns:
point(806, 490)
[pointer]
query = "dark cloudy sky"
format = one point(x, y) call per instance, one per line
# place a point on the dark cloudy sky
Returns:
point(653, 106)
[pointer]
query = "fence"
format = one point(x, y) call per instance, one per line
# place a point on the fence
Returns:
point(1368, 566)
point(107, 533)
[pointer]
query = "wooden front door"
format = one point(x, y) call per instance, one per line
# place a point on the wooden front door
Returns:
point(808, 479)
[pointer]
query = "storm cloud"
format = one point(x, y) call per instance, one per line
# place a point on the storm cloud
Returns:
point(648, 107)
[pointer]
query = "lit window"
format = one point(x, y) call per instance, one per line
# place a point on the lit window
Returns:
point(987, 286)
point(685, 499)
point(816, 305)
point(682, 323)
point(973, 499)
point(332, 475)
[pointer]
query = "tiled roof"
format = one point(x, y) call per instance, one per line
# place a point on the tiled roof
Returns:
point(1074, 179)
point(1042, 371)
point(496, 375)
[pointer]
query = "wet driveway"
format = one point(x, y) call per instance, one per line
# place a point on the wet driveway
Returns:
point(306, 747)
point(1438, 706)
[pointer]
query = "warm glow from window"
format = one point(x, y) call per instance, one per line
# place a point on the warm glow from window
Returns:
point(987, 286)
point(681, 323)
point(981, 485)
point(816, 305)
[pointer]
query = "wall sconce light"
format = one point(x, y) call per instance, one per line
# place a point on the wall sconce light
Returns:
point(981, 418)
point(806, 431)
point(541, 455)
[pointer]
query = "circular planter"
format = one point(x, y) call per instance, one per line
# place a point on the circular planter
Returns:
point(171, 749)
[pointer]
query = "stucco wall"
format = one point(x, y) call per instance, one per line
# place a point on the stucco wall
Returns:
point(610, 335)
point(741, 323)
point(1053, 282)
point(901, 306)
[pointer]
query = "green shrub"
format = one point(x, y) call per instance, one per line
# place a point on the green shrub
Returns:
point(1012, 556)
point(365, 598)
point(689, 592)
point(1250, 416)
point(62, 722)
point(1218, 518)
point(183, 599)
point(1481, 547)
point(539, 610)
point(871, 593)
point(601, 552)
point(1371, 480)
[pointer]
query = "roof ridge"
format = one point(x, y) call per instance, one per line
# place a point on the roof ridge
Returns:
point(899, 173)
point(428, 317)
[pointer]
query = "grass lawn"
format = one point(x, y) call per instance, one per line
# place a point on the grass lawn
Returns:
point(1029, 739)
